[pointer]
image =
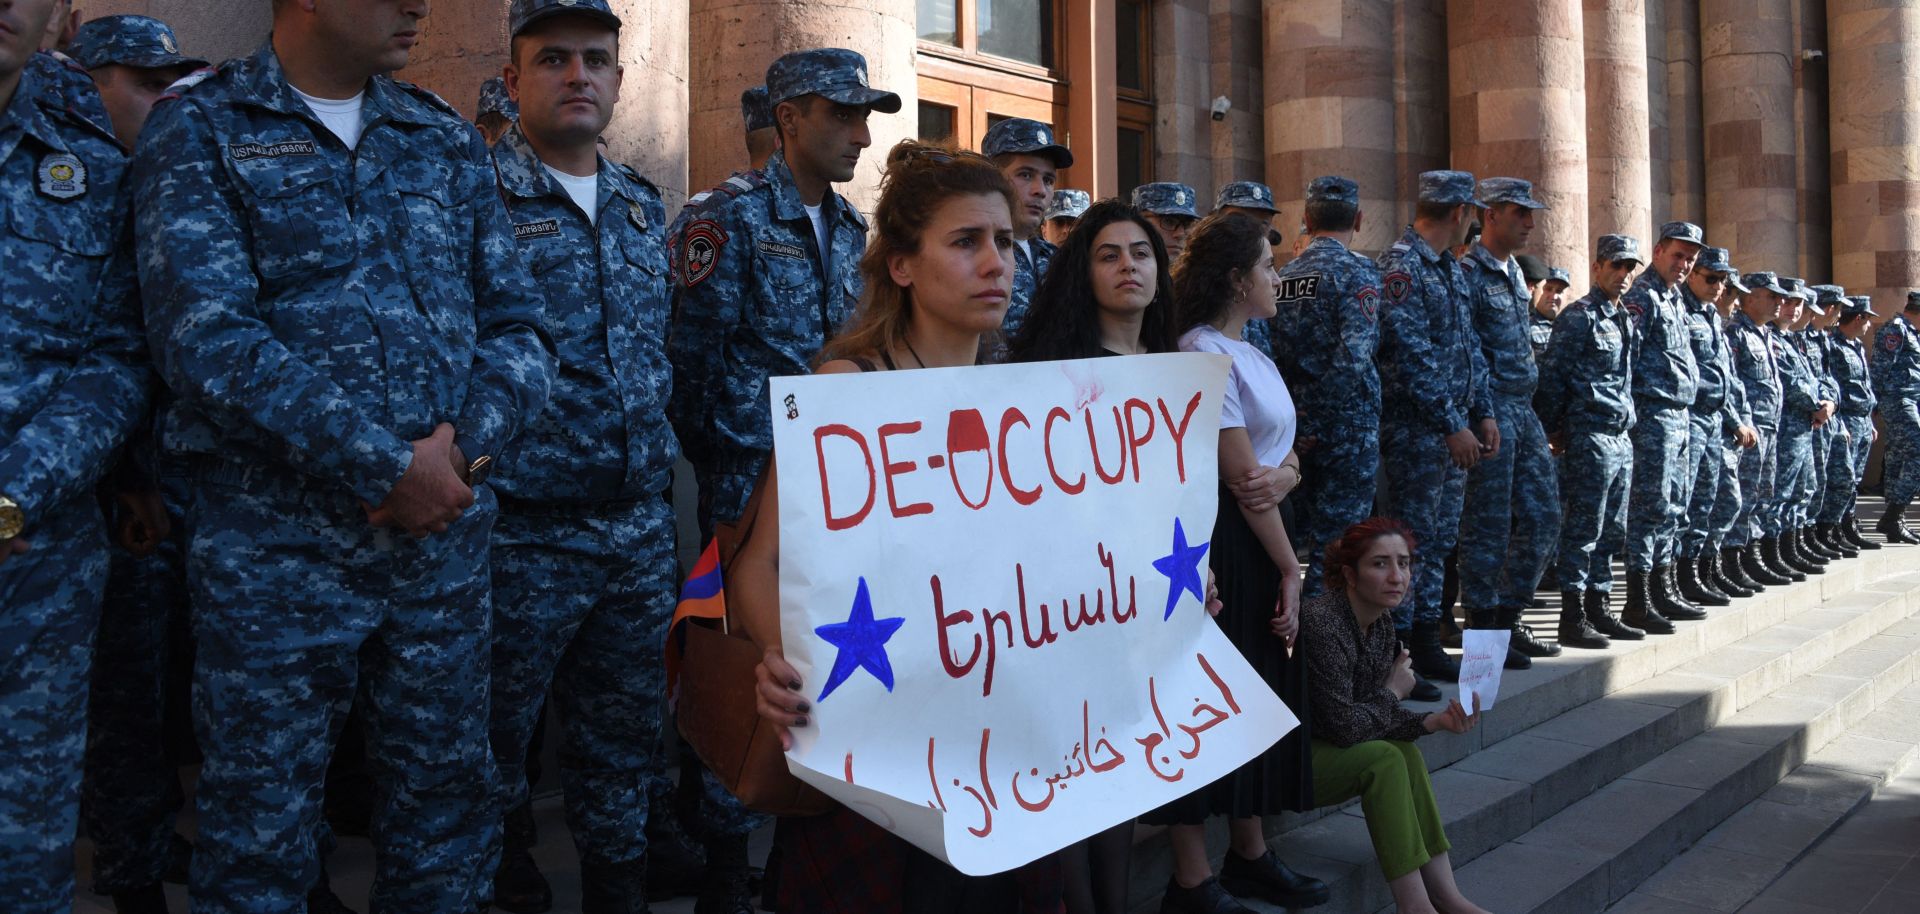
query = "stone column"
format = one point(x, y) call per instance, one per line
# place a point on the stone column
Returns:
point(1659, 131)
point(1329, 90)
point(1747, 99)
point(1875, 136)
point(215, 31)
point(1182, 122)
point(1812, 188)
point(731, 42)
point(1420, 141)
point(1235, 36)
point(1619, 146)
point(1516, 74)
point(1685, 165)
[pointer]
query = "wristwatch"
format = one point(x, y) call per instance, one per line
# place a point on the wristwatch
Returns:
point(479, 470)
point(12, 519)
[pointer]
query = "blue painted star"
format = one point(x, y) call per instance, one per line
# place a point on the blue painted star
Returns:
point(1182, 569)
point(862, 641)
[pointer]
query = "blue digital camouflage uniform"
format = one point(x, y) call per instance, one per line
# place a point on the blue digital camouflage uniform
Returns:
point(1793, 484)
point(1758, 372)
point(1326, 333)
point(754, 299)
point(1021, 136)
point(1665, 382)
point(1586, 395)
point(1847, 359)
point(1718, 412)
point(315, 309)
point(73, 385)
point(1511, 513)
point(1896, 381)
point(584, 568)
point(495, 100)
point(1433, 382)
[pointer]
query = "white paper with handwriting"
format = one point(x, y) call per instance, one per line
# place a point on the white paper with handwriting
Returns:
point(1483, 652)
point(992, 584)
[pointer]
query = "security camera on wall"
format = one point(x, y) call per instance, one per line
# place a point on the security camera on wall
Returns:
point(1221, 106)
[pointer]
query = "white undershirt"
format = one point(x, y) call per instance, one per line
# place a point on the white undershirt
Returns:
point(341, 115)
point(819, 220)
point(1026, 248)
point(585, 191)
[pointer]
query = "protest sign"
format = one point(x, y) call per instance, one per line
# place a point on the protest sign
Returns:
point(992, 583)
point(1482, 655)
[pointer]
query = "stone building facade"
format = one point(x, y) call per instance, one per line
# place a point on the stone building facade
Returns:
point(1790, 129)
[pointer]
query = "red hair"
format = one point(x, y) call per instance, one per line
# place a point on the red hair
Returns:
point(1345, 552)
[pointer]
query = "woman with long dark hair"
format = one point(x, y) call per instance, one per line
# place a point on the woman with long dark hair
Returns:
point(1224, 279)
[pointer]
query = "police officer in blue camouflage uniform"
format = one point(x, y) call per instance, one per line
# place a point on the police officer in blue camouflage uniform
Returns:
point(1025, 151)
point(74, 386)
point(1750, 338)
point(1063, 214)
point(756, 117)
point(1585, 403)
point(496, 110)
point(351, 339)
point(131, 792)
point(1802, 412)
point(1847, 359)
point(1511, 514)
point(1255, 201)
point(584, 569)
point(1549, 299)
point(766, 268)
point(1803, 338)
point(1718, 427)
point(1896, 381)
point(1723, 565)
point(1437, 416)
point(1833, 443)
point(1326, 331)
point(1665, 383)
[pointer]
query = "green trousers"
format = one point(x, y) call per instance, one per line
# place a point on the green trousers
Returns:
point(1390, 778)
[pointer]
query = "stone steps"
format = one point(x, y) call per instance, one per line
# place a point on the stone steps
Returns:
point(1592, 726)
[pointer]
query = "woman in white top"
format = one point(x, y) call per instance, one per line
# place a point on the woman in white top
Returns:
point(1224, 279)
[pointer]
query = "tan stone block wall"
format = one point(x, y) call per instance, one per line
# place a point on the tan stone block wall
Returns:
point(1234, 36)
point(1516, 74)
point(1686, 142)
point(1659, 125)
point(1330, 109)
point(1747, 112)
point(732, 43)
point(1874, 93)
point(1420, 107)
point(1813, 193)
point(1619, 118)
point(1182, 84)
point(215, 31)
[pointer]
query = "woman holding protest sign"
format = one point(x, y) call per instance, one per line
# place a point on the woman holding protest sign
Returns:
point(938, 272)
point(1224, 279)
point(1362, 736)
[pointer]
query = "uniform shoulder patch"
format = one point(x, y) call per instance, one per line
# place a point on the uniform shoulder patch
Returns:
point(699, 251)
point(1294, 288)
point(1890, 342)
point(1398, 284)
point(1368, 298)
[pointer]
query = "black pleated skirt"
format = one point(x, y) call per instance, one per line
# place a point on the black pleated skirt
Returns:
point(1281, 778)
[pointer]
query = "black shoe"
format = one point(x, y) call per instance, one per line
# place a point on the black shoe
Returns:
point(725, 889)
point(1605, 622)
point(1489, 620)
point(1714, 566)
point(676, 864)
point(1208, 897)
point(1270, 880)
point(1575, 630)
point(1698, 590)
point(1429, 659)
point(1831, 537)
point(1753, 564)
point(1663, 596)
point(1816, 539)
point(1893, 526)
point(147, 899)
point(321, 900)
point(1797, 558)
point(1450, 630)
point(1776, 561)
point(1851, 532)
point(1638, 612)
point(613, 888)
point(1424, 691)
point(518, 886)
point(1523, 639)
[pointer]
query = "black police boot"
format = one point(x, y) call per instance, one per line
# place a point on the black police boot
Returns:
point(1429, 659)
point(1713, 568)
point(1663, 595)
point(321, 900)
point(613, 888)
point(1753, 564)
point(1575, 630)
point(1489, 620)
point(1450, 630)
point(1797, 558)
point(1271, 881)
point(1639, 612)
point(1776, 561)
point(1697, 589)
point(1732, 566)
point(518, 885)
point(147, 899)
point(1605, 622)
point(1424, 691)
point(1523, 638)
point(1893, 525)
point(1835, 541)
point(1851, 532)
point(1209, 897)
point(726, 888)
point(1808, 539)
